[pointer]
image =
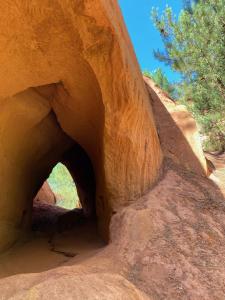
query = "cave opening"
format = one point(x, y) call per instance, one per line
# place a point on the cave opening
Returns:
point(57, 196)
point(67, 197)
point(63, 188)
point(64, 227)
point(61, 129)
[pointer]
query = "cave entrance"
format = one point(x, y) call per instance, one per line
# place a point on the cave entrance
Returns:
point(63, 188)
point(64, 227)
point(57, 196)
point(61, 127)
point(64, 222)
point(67, 197)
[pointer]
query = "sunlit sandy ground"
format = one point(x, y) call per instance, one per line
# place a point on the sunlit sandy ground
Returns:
point(218, 176)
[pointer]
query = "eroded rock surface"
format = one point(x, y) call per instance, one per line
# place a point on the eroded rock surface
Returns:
point(169, 244)
point(177, 250)
point(177, 129)
point(45, 195)
point(71, 61)
point(69, 76)
point(103, 286)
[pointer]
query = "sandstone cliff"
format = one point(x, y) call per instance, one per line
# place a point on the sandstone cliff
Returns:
point(71, 91)
point(69, 74)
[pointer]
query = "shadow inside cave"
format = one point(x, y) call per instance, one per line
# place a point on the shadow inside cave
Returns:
point(59, 235)
point(48, 249)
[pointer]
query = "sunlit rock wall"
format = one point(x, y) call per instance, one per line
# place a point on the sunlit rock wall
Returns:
point(97, 95)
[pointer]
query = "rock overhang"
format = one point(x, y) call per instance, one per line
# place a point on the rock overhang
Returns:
point(76, 68)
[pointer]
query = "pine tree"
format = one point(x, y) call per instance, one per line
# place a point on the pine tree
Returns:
point(162, 81)
point(195, 46)
point(188, 4)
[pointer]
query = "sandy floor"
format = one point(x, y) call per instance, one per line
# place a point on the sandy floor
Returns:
point(44, 251)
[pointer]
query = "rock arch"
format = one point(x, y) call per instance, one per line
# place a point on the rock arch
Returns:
point(68, 73)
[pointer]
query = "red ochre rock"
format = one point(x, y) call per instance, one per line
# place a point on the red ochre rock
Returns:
point(177, 130)
point(69, 76)
point(71, 90)
point(45, 195)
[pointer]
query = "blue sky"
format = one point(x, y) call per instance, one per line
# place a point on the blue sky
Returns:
point(143, 34)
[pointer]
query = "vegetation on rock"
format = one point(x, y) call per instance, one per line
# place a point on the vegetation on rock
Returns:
point(162, 81)
point(195, 46)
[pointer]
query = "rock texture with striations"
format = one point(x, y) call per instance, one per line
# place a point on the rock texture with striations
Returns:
point(69, 74)
point(71, 91)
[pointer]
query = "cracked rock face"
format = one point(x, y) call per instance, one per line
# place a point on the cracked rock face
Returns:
point(69, 75)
